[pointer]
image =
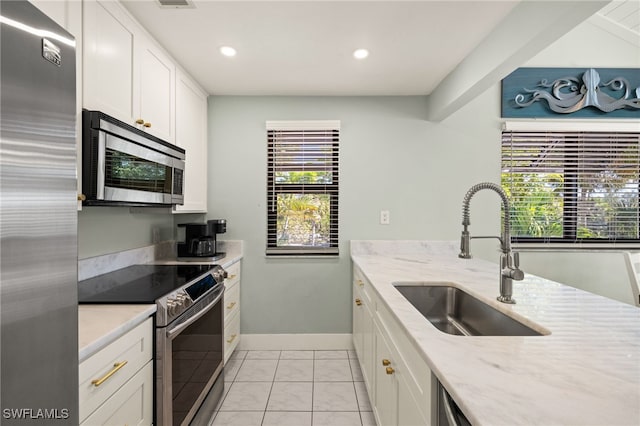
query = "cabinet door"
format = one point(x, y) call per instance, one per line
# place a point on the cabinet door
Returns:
point(191, 134)
point(132, 404)
point(368, 349)
point(386, 385)
point(409, 413)
point(358, 320)
point(156, 95)
point(108, 65)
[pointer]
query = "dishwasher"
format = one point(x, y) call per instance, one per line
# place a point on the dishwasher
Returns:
point(449, 414)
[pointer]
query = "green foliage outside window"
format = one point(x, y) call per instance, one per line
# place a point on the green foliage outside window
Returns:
point(303, 218)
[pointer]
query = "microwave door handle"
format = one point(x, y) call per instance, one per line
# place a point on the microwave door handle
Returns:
point(180, 327)
point(100, 175)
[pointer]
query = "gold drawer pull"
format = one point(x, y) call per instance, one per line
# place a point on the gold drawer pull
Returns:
point(390, 370)
point(139, 121)
point(117, 366)
point(358, 302)
point(360, 283)
point(232, 276)
point(82, 197)
point(386, 362)
point(147, 125)
point(231, 305)
point(232, 338)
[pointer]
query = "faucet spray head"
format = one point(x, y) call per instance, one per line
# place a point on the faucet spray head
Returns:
point(465, 244)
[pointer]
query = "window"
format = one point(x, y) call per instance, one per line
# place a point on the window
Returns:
point(302, 187)
point(572, 186)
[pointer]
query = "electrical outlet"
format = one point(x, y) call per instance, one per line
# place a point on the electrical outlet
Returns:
point(384, 217)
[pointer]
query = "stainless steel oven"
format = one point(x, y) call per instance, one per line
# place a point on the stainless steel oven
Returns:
point(189, 378)
point(189, 361)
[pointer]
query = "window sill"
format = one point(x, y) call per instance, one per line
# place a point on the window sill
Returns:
point(560, 247)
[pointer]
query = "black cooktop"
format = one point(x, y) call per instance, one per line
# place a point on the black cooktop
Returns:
point(138, 283)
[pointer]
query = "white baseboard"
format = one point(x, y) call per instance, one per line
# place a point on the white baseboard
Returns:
point(252, 342)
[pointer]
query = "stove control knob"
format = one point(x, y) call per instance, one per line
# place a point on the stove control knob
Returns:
point(184, 299)
point(171, 306)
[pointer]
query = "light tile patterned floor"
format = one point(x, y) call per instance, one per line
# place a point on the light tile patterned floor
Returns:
point(300, 388)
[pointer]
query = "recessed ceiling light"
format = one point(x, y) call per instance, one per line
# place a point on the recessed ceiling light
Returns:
point(360, 53)
point(228, 51)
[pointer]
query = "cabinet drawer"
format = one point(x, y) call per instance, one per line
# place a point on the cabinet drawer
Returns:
point(131, 351)
point(131, 405)
point(364, 289)
point(233, 276)
point(415, 369)
point(231, 336)
point(231, 301)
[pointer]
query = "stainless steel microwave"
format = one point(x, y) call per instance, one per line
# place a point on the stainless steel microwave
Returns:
point(122, 165)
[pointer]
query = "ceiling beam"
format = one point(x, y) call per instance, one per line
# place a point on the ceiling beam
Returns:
point(529, 28)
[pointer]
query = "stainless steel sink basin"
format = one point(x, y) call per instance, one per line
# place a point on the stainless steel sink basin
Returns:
point(456, 312)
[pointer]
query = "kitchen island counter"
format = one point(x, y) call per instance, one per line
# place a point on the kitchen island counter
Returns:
point(585, 372)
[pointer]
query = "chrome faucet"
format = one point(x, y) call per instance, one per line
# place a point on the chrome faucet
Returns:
point(509, 261)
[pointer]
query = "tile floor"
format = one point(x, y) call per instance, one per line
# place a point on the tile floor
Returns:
point(301, 388)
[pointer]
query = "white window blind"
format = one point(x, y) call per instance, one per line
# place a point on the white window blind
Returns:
point(572, 186)
point(302, 187)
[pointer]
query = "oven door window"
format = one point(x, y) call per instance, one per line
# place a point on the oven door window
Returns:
point(127, 171)
point(196, 354)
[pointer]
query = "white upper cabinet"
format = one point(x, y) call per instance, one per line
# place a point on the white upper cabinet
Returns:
point(191, 134)
point(108, 60)
point(126, 74)
point(130, 77)
point(157, 90)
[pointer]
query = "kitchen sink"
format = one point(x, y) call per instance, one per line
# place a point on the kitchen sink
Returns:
point(454, 311)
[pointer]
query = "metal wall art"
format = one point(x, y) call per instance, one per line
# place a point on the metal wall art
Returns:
point(549, 92)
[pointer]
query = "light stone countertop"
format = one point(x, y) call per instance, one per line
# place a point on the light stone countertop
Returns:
point(99, 325)
point(586, 372)
point(233, 255)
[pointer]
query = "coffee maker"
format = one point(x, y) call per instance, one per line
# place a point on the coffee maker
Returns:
point(200, 240)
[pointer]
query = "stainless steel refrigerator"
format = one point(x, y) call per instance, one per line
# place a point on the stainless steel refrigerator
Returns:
point(38, 220)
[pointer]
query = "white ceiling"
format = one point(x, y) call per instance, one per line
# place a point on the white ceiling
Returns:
point(305, 47)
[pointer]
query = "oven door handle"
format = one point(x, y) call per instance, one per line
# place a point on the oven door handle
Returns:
point(177, 329)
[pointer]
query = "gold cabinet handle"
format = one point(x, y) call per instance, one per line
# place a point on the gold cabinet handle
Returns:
point(390, 370)
point(231, 305)
point(82, 197)
point(386, 362)
point(117, 366)
point(147, 125)
point(232, 276)
point(358, 302)
point(360, 283)
point(232, 338)
point(139, 121)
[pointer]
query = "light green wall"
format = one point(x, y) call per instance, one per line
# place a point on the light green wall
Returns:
point(103, 230)
point(391, 158)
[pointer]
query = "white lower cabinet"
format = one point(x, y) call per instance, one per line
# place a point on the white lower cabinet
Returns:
point(398, 380)
point(232, 310)
point(116, 383)
point(363, 328)
point(385, 403)
point(128, 406)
